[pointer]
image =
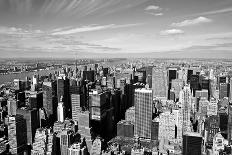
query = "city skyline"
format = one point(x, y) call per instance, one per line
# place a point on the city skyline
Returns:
point(123, 28)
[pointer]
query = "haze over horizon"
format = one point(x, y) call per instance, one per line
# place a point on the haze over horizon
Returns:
point(116, 28)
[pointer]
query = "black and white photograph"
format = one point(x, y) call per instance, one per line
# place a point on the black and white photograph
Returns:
point(115, 77)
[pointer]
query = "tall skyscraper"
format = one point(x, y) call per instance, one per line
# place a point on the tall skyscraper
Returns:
point(230, 124)
point(66, 139)
point(192, 144)
point(17, 135)
point(185, 100)
point(61, 111)
point(76, 106)
point(143, 112)
point(159, 82)
point(31, 118)
point(223, 90)
point(50, 101)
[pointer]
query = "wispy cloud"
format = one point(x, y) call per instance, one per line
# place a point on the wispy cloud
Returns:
point(152, 8)
point(172, 32)
point(190, 22)
point(219, 11)
point(93, 28)
point(155, 14)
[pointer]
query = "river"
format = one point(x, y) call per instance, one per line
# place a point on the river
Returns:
point(22, 76)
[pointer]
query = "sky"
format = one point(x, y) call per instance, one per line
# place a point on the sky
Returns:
point(92, 28)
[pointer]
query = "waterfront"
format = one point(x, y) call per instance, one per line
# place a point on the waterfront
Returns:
point(10, 77)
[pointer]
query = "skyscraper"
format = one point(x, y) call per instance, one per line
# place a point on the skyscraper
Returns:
point(143, 112)
point(192, 144)
point(76, 106)
point(230, 124)
point(50, 101)
point(31, 118)
point(185, 100)
point(61, 111)
point(159, 82)
point(16, 136)
point(223, 90)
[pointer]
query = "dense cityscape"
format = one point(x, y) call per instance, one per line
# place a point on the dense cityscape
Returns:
point(126, 106)
point(115, 77)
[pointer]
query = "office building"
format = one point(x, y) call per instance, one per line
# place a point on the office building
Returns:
point(50, 101)
point(218, 143)
point(31, 118)
point(177, 85)
point(143, 112)
point(211, 129)
point(192, 144)
point(11, 106)
point(155, 129)
point(125, 129)
point(16, 136)
point(213, 107)
point(194, 83)
point(167, 126)
point(202, 94)
point(67, 138)
point(203, 106)
point(60, 111)
point(229, 130)
point(43, 143)
point(76, 106)
point(159, 82)
point(130, 115)
point(185, 100)
point(223, 90)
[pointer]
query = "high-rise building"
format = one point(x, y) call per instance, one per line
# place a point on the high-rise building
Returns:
point(203, 106)
point(159, 82)
point(31, 118)
point(61, 111)
point(125, 129)
point(155, 129)
point(35, 99)
point(194, 83)
point(50, 101)
point(167, 126)
point(223, 90)
point(185, 100)
point(76, 106)
point(66, 139)
point(189, 74)
point(77, 149)
point(230, 124)
point(43, 143)
point(172, 75)
point(202, 94)
point(130, 115)
point(218, 143)
point(89, 75)
point(211, 128)
point(177, 85)
point(143, 112)
point(17, 135)
point(12, 107)
point(63, 90)
point(212, 108)
point(192, 144)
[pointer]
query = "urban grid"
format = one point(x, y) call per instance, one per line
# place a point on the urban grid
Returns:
point(115, 77)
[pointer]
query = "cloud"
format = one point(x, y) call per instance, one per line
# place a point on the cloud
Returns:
point(93, 28)
point(156, 14)
point(152, 8)
point(225, 10)
point(190, 22)
point(172, 32)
